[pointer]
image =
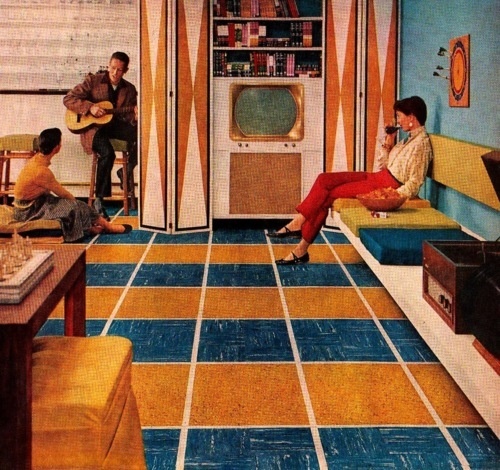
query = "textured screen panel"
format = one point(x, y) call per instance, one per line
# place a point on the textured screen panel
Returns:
point(264, 183)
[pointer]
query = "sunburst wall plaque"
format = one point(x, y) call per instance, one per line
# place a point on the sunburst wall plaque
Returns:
point(459, 71)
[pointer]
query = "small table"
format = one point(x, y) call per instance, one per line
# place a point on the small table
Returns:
point(18, 325)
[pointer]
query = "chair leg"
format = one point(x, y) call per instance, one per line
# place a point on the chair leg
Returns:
point(125, 183)
point(4, 194)
point(132, 192)
point(92, 180)
point(6, 182)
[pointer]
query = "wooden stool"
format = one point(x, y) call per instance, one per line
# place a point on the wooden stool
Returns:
point(118, 146)
point(14, 146)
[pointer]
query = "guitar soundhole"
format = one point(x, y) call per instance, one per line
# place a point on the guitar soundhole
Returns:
point(78, 118)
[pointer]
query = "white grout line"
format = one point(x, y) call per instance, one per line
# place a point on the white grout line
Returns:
point(320, 453)
point(125, 290)
point(458, 453)
point(181, 450)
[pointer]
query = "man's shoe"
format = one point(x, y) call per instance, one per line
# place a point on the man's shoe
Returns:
point(286, 234)
point(119, 173)
point(295, 260)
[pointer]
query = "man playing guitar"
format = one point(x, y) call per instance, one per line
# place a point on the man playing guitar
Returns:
point(84, 99)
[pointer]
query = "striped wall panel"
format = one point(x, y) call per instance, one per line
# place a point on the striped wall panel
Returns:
point(379, 52)
point(340, 64)
point(174, 115)
point(192, 117)
point(153, 115)
point(381, 79)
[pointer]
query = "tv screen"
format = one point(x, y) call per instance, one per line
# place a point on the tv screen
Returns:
point(267, 112)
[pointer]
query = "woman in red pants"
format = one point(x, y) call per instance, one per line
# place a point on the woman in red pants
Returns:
point(402, 166)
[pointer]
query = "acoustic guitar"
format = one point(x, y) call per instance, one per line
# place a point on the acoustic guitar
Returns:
point(78, 123)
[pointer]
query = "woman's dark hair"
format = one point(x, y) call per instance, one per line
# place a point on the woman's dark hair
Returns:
point(122, 57)
point(49, 139)
point(413, 105)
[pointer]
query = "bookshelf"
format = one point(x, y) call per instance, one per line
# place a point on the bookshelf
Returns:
point(267, 70)
point(267, 38)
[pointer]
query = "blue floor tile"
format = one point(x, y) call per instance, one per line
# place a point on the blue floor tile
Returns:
point(340, 340)
point(244, 340)
point(335, 238)
point(238, 237)
point(241, 275)
point(396, 448)
point(480, 447)
point(407, 341)
point(157, 340)
point(135, 237)
point(250, 449)
point(160, 448)
point(311, 274)
point(109, 274)
point(181, 239)
point(171, 275)
point(363, 276)
point(55, 327)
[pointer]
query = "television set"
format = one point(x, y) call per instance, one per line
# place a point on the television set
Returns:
point(266, 112)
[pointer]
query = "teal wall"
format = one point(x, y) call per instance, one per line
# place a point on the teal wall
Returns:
point(427, 25)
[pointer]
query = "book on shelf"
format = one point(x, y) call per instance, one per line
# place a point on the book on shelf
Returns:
point(307, 37)
point(254, 34)
point(255, 8)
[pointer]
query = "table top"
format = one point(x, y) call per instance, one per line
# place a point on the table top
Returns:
point(69, 261)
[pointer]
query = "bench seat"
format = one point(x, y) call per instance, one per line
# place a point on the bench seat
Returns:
point(408, 218)
point(396, 246)
point(46, 231)
point(350, 203)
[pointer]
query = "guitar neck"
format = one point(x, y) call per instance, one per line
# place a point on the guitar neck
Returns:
point(126, 109)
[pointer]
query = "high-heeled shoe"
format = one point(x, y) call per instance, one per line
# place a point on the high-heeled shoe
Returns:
point(295, 260)
point(286, 234)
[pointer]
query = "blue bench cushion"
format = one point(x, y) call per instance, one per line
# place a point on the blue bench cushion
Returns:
point(404, 246)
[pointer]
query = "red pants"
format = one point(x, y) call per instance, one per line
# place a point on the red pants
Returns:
point(331, 186)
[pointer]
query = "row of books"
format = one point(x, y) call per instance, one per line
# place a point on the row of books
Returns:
point(263, 64)
point(256, 8)
point(254, 34)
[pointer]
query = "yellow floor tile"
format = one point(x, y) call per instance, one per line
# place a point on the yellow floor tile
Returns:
point(100, 302)
point(115, 253)
point(247, 302)
point(177, 254)
point(247, 395)
point(240, 254)
point(160, 302)
point(160, 390)
point(324, 302)
point(364, 394)
point(131, 220)
point(452, 406)
point(348, 254)
point(382, 304)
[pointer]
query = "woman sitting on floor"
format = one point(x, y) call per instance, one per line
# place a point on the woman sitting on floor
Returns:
point(402, 167)
point(33, 198)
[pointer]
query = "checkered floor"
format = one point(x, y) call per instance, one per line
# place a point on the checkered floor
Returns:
point(242, 364)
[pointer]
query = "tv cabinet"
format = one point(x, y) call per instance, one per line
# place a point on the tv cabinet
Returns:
point(266, 154)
